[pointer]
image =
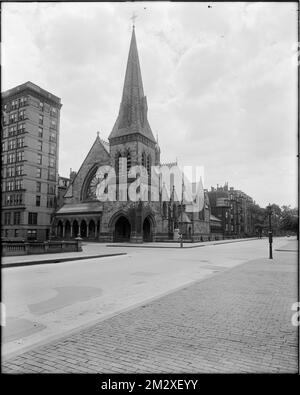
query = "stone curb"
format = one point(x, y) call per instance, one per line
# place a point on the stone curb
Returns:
point(58, 260)
point(178, 246)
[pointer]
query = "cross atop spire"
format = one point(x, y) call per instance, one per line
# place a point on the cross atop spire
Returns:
point(133, 18)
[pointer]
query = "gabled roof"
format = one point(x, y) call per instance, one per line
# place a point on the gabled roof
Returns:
point(132, 116)
point(213, 218)
point(97, 150)
point(105, 144)
point(185, 218)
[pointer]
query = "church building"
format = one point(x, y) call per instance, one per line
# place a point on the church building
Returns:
point(83, 214)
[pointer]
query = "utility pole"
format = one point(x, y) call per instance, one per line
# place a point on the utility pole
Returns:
point(269, 208)
point(181, 214)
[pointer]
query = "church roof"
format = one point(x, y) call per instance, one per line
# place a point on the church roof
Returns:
point(213, 218)
point(91, 207)
point(132, 116)
point(185, 218)
point(105, 144)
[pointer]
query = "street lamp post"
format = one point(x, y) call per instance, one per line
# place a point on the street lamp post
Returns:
point(181, 233)
point(181, 214)
point(270, 231)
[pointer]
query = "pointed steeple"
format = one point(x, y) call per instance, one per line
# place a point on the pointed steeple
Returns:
point(132, 116)
point(133, 85)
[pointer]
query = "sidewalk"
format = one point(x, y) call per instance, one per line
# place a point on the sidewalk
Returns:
point(176, 244)
point(236, 321)
point(88, 252)
point(292, 246)
point(38, 261)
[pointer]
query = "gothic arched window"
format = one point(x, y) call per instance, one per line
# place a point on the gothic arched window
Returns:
point(201, 215)
point(144, 159)
point(149, 165)
point(128, 161)
point(117, 164)
point(91, 186)
point(106, 188)
point(165, 210)
point(175, 214)
point(206, 212)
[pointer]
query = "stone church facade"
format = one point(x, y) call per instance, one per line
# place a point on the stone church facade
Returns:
point(83, 215)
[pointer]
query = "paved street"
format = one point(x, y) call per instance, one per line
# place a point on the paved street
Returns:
point(88, 250)
point(46, 301)
point(226, 317)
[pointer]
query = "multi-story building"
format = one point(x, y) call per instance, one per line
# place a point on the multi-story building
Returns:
point(63, 185)
point(233, 208)
point(242, 218)
point(30, 137)
point(220, 207)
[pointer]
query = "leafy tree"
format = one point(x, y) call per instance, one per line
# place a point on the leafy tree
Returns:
point(290, 220)
point(258, 215)
point(276, 214)
point(275, 218)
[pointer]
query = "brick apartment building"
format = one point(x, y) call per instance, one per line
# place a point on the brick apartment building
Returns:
point(233, 208)
point(30, 137)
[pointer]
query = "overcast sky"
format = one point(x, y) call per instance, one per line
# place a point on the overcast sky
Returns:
point(220, 81)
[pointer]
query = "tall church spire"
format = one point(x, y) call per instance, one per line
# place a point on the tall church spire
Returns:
point(133, 85)
point(132, 116)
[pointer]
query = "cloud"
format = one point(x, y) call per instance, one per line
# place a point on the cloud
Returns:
point(220, 82)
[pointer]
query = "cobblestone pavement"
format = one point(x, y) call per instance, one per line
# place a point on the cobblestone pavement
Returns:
point(237, 320)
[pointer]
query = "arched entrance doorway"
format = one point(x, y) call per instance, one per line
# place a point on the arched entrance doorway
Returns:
point(122, 230)
point(147, 233)
point(75, 229)
point(92, 228)
point(60, 229)
point(83, 229)
point(67, 230)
